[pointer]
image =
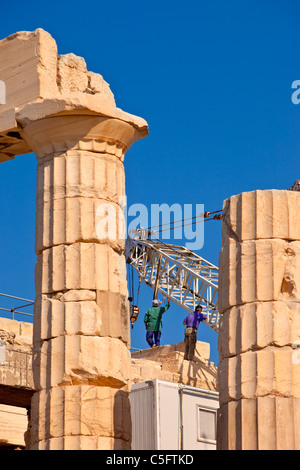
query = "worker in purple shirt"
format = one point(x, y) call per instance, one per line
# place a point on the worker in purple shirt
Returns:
point(192, 322)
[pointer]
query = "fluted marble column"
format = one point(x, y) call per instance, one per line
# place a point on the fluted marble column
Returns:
point(81, 359)
point(259, 298)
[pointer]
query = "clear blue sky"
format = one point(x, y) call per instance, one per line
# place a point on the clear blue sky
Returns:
point(212, 79)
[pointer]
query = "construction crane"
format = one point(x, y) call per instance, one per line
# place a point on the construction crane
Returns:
point(175, 272)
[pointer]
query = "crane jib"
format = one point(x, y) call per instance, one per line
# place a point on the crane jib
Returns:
point(176, 272)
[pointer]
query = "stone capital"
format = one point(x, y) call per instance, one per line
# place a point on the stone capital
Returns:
point(95, 133)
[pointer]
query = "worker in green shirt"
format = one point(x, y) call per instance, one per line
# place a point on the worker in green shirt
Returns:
point(153, 322)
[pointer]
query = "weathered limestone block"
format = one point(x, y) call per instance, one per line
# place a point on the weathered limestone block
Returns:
point(167, 363)
point(55, 316)
point(81, 360)
point(82, 312)
point(17, 369)
point(81, 410)
point(28, 67)
point(73, 77)
point(97, 84)
point(162, 353)
point(15, 358)
point(114, 310)
point(145, 369)
point(89, 266)
point(72, 73)
point(266, 423)
point(270, 371)
point(258, 325)
point(261, 215)
point(33, 72)
point(80, 173)
point(82, 443)
point(73, 295)
point(28, 64)
point(193, 373)
point(258, 270)
point(71, 220)
point(13, 421)
point(14, 332)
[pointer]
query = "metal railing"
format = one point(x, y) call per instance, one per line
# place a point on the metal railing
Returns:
point(13, 308)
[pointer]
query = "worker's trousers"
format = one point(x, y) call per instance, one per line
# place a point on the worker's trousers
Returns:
point(149, 338)
point(190, 339)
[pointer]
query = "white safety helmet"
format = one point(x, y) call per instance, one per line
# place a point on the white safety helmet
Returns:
point(155, 303)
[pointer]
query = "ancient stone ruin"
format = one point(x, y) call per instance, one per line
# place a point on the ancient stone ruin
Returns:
point(82, 369)
point(259, 369)
point(81, 362)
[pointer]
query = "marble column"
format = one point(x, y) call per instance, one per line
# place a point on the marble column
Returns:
point(81, 361)
point(259, 298)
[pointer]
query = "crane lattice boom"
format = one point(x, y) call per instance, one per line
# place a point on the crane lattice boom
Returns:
point(177, 272)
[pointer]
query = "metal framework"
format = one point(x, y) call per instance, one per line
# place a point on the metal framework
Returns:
point(11, 300)
point(177, 272)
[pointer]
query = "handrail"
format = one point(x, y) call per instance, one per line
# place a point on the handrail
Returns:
point(15, 309)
